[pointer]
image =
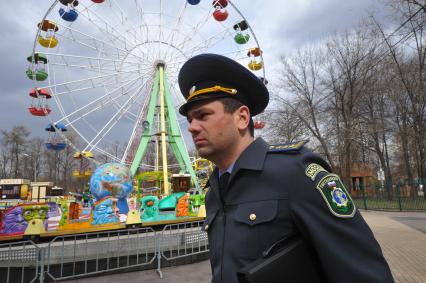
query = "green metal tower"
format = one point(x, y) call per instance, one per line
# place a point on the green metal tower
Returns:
point(160, 98)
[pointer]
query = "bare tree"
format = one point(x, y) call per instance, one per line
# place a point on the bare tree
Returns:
point(349, 70)
point(283, 125)
point(34, 152)
point(301, 78)
point(410, 68)
point(14, 143)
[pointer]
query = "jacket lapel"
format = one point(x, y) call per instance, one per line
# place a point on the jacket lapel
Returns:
point(252, 158)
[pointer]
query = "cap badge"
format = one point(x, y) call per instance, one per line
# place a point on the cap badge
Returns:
point(192, 90)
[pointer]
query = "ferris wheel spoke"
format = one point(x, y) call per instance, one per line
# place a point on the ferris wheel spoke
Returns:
point(102, 100)
point(160, 33)
point(176, 27)
point(212, 41)
point(196, 28)
point(98, 107)
point(66, 57)
point(97, 42)
point(106, 102)
point(97, 68)
point(106, 153)
point(89, 68)
point(92, 62)
point(91, 80)
point(143, 23)
point(103, 26)
point(177, 94)
point(137, 130)
point(123, 18)
point(111, 122)
point(98, 48)
point(103, 85)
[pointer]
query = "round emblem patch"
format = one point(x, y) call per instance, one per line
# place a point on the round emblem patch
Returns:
point(339, 197)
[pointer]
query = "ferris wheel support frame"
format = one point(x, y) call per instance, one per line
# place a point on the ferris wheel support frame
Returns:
point(160, 94)
point(163, 131)
point(175, 138)
point(147, 133)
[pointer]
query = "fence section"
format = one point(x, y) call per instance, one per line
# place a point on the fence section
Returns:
point(402, 196)
point(73, 256)
point(19, 262)
point(183, 239)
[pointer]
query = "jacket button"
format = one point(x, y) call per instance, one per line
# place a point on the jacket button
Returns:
point(206, 227)
point(252, 217)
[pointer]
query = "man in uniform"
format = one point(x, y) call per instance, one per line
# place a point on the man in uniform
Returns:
point(260, 194)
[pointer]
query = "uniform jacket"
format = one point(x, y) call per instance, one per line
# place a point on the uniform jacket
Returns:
point(274, 187)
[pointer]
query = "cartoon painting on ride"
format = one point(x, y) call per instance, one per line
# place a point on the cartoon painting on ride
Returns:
point(16, 220)
point(104, 71)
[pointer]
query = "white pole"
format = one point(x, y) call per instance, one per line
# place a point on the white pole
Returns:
point(35, 169)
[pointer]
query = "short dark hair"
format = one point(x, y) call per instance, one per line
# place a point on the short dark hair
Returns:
point(230, 105)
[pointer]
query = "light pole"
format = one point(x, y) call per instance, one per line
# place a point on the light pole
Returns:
point(35, 166)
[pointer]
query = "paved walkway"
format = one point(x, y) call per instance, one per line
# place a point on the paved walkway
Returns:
point(401, 235)
point(403, 246)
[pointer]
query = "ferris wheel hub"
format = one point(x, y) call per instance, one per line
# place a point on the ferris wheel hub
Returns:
point(160, 63)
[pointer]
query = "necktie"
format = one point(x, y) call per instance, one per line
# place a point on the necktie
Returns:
point(223, 184)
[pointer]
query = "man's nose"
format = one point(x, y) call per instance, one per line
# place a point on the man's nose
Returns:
point(194, 127)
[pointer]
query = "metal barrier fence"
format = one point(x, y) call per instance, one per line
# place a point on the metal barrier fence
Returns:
point(19, 262)
point(181, 240)
point(74, 256)
point(402, 196)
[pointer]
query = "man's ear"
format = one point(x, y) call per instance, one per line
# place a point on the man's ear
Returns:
point(243, 117)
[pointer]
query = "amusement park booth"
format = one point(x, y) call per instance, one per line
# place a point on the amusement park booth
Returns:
point(41, 191)
point(13, 191)
point(181, 182)
point(362, 179)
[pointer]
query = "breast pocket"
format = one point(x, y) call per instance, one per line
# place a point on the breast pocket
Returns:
point(253, 227)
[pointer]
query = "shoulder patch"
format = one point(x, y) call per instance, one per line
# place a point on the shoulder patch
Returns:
point(336, 196)
point(288, 147)
point(313, 170)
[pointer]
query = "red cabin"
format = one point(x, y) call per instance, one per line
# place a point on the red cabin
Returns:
point(36, 93)
point(220, 15)
point(39, 111)
point(39, 107)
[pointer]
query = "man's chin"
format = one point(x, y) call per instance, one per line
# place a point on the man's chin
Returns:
point(203, 152)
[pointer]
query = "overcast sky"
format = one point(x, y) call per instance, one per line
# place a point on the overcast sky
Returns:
point(281, 26)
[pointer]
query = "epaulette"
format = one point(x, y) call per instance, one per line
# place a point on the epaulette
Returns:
point(288, 147)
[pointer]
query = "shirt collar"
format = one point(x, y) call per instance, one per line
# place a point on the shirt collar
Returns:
point(228, 170)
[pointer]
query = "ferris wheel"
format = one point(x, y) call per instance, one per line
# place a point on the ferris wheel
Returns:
point(97, 66)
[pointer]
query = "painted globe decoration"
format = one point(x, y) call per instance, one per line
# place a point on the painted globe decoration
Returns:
point(112, 179)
